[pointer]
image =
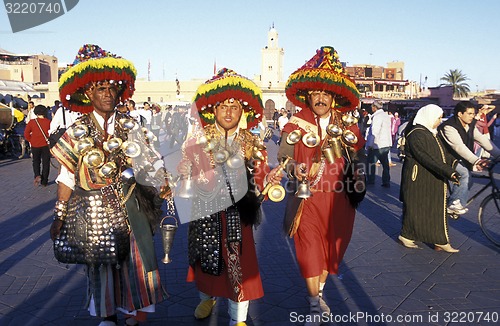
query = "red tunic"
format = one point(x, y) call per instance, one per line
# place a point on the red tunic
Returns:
point(327, 218)
point(202, 172)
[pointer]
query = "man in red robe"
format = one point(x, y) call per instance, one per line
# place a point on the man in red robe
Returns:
point(227, 166)
point(326, 146)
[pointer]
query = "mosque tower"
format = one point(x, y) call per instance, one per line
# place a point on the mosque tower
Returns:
point(272, 62)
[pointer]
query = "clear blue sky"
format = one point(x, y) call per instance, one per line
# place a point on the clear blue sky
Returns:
point(185, 37)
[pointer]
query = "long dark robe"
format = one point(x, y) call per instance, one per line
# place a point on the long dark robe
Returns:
point(426, 169)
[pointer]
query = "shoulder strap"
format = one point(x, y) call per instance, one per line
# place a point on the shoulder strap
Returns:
point(303, 124)
point(64, 116)
point(43, 132)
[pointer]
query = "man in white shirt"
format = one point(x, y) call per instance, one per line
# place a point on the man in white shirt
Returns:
point(378, 143)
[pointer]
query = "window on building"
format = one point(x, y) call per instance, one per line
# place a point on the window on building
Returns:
point(368, 72)
point(270, 68)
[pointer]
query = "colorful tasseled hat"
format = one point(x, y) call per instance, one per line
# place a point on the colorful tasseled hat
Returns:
point(323, 72)
point(227, 84)
point(93, 64)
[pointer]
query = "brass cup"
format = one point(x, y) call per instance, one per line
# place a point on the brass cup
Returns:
point(108, 170)
point(276, 193)
point(349, 120)
point(112, 144)
point(78, 132)
point(128, 123)
point(94, 158)
point(131, 149)
point(311, 139)
point(349, 137)
point(333, 130)
point(333, 151)
point(83, 145)
point(235, 161)
point(257, 154)
point(221, 156)
point(294, 137)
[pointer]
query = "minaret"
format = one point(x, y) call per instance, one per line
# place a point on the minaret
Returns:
point(272, 62)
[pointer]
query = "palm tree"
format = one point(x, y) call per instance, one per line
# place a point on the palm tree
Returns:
point(456, 79)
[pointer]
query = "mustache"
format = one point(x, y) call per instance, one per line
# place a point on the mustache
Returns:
point(320, 104)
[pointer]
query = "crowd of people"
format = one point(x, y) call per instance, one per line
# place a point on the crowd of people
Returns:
point(329, 149)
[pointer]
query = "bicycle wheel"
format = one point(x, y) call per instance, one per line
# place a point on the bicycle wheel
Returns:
point(489, 217)
point(15, 147)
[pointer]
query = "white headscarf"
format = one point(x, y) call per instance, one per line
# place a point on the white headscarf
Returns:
point(427, 116)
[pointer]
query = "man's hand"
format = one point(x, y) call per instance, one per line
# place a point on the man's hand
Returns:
point(481, 164)
point(275, 175)
point(55, 229)
point(455, 178)
point(301, 171)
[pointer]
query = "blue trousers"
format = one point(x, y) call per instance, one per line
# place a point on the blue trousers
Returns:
point(374, 155)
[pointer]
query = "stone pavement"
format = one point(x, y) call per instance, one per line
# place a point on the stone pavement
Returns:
point(380, 282)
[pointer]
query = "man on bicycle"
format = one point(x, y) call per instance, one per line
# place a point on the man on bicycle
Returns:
point(459, 134)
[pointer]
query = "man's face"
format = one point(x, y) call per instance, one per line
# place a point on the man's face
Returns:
point(321, 102)
point(130, 106)
point(467, 116)
point(103, 97)
point(228, 114)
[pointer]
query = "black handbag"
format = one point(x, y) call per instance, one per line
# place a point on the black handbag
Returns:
point(354, 194)
point(54, 137)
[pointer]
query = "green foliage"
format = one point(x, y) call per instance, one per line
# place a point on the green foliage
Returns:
point(456, 78)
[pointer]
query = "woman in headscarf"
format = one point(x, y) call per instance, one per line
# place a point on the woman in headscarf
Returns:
point(426, 170)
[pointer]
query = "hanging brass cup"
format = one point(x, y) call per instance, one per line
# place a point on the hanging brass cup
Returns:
point(334, 150)
point(221, 156)
point(128, 123)
point(108, 170)
point(131, 149)
point(112, 144)
point(78, 132)
point(294, 137)
point(235, 161)
point(349, 138)
point(94, 158)
point(349, 120)
point(333, 130)
point(311, 139)
point(83, 145)
point(257, 154)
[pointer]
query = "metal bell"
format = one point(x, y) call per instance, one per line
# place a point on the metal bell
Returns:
point(167, 237)
point(303, 190)
point(186, 188)
point(294, 137)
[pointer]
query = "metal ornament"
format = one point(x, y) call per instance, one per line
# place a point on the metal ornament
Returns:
point(349, 137)
point(221, 156)
point(94, 158)
point(131, 149)
point(276, 193)
point(294, 137)
point(311, 139)
point(236, 161)
point(349, 120)
point(333, 130)
point(108, 170)
point(186, 187)
point(78, 132)
point(167, 237)
point(303, 190)
point(334, 150)
point(128, 123)
point(257, 154)
point(83, 145)
point(112, 144)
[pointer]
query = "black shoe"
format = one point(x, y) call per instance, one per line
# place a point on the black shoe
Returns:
point(386, 185)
